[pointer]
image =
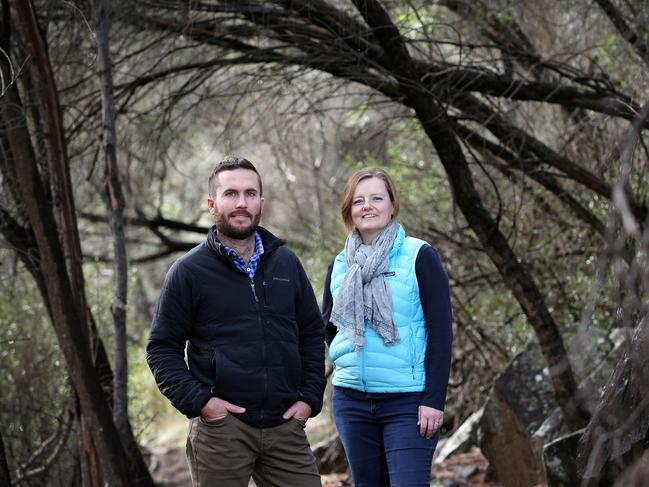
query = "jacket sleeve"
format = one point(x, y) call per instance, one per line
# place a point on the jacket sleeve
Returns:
point(434, 294)
point(165, 351)
point(311, 328)
point(327, 306)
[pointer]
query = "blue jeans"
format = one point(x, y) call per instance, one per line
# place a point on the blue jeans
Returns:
point(382, 441)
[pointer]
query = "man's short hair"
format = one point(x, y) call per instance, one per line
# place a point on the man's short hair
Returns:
point(230, 163)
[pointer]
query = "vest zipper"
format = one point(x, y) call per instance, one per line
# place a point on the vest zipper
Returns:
point(254, 293)
point(364, 382)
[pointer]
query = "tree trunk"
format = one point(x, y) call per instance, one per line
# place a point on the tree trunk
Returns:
point(66, 318)
point(5, 478)
point(116, 204)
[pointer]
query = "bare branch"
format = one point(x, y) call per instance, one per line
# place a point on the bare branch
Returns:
point(49, 450)
point(625, 30)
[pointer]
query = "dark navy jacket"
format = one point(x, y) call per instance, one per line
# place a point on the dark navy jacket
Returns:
point(258, 345)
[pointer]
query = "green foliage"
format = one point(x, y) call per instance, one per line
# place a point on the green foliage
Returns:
point(502, 15)
point(615, 55)
point(146, 403)
point(147, 406)
point(33, 380)
point(34, 377)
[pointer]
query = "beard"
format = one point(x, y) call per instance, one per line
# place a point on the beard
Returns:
point(237, 233)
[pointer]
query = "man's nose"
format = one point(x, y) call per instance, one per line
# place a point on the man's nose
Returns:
point(241, 201)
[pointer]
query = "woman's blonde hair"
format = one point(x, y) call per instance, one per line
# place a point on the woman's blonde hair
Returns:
point(350, 188)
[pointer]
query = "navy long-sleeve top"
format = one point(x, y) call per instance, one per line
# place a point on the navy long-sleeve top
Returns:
point(435, 299)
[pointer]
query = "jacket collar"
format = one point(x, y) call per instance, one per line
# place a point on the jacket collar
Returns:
point(398, 241)
point(270, 241)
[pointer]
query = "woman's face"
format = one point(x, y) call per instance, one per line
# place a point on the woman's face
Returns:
point(371, 208)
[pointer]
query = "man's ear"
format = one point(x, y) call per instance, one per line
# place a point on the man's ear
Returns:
point(211, 206)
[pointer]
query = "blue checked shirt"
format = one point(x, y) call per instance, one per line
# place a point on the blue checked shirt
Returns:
point(251, 268)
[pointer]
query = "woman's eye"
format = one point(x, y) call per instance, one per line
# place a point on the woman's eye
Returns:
point(377, 198)
point(357, 202)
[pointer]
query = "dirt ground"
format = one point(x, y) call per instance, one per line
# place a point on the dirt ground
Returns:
point(170, 470)
point(169, 464)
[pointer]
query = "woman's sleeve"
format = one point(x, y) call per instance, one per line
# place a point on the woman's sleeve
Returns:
point(327, 305)
point(435, 299)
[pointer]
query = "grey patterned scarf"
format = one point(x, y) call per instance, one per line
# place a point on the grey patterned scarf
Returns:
point(364, 294)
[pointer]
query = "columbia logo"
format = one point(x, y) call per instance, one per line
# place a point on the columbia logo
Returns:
point(282, 279)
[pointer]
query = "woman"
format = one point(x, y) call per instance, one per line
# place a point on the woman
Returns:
point(388, 313)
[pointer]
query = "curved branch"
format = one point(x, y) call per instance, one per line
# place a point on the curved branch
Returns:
point(545, 179)
point(356, 51)
point(608, 102)
point(519, 140)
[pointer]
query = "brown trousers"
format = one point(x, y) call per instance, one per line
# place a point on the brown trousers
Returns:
point(227, 452)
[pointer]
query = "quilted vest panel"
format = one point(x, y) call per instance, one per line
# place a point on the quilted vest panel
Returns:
point(380, 367)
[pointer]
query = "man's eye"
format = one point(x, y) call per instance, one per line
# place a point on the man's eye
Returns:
point(252, 193)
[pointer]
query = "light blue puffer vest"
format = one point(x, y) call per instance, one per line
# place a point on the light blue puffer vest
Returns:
point(379, 367)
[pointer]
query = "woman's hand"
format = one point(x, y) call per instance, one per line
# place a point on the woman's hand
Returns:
point(429, 421)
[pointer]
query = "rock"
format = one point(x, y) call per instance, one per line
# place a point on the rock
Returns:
point(559, 457)
point(521, 415)
point(450, 483)
point(463, 439)
point(551, 429)
point(467, 472)
point(637, 475)
point(489, 474)
point(330, 455)
point(519, 402)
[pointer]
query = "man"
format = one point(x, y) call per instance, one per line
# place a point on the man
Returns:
point(255, 356)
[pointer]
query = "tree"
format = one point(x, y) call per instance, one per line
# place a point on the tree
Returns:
point(619, 429)
point(116, 204)
point(368, 48)
point(43, 225)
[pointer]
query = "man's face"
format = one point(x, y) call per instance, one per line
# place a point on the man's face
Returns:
point(237, 204)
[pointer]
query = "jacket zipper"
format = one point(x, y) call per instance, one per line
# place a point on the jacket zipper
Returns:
point(263, 355)
point(263, 349)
